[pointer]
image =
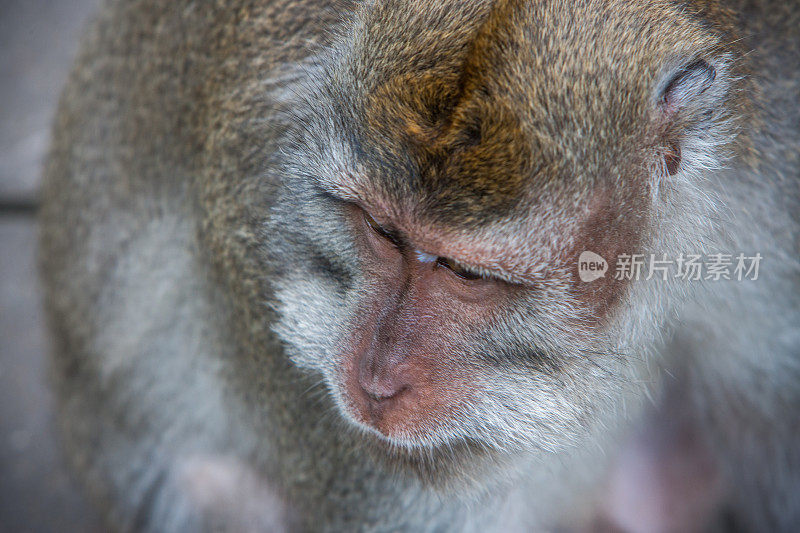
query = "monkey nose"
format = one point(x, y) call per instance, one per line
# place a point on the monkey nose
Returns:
point(381, 388)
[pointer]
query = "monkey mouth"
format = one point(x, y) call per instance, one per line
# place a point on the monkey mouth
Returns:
point(410, 417)
point(385, 422)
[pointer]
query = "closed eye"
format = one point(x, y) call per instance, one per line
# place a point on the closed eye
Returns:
point(456, 268)
point(380, 230)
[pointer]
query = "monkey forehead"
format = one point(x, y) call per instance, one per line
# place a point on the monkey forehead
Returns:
point(477, 107)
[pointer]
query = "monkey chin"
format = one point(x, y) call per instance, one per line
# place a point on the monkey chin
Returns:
point(443, 462)
point(444, 467)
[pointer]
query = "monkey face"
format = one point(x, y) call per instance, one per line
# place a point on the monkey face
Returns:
point(441, 206)
point(432, 333)
point(428, 336)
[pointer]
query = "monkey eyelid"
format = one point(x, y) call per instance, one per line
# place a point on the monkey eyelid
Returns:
point(383, 232)
point(424, 257)
point(463, 271)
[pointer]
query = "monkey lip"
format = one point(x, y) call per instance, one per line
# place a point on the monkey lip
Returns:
point(393, 418)
point(411, 416)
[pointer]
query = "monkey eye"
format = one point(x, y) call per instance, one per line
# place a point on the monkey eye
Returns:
point(380, 230)
point(457, 269)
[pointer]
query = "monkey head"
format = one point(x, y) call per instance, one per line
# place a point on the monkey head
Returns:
point(447, 167)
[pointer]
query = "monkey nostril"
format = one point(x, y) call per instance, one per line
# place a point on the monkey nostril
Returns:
point(382, 390)
point(381, 380)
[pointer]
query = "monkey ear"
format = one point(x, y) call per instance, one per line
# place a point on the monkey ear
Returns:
point(686, 85)
point(689, 99)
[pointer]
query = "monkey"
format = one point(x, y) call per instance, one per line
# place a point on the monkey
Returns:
point(316, 265)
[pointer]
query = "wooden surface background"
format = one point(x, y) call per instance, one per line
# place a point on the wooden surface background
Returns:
point(38, 39)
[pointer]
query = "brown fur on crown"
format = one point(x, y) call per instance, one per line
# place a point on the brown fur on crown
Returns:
point(510, 104)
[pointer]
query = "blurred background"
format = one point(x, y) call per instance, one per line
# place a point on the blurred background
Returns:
point(38, 40)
